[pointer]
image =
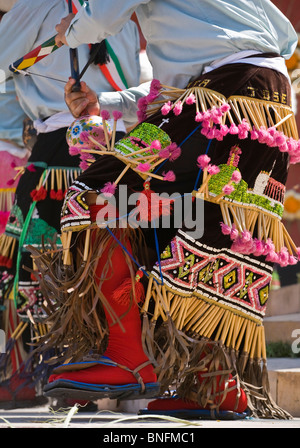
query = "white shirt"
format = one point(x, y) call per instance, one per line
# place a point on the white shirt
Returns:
point(184, 37)
point(30, 23)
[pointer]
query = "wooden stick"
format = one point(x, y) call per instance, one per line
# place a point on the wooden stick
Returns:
point(97, 144)
point(86, 244)
point(148, 295)
point(66, 241)
point(122, 174)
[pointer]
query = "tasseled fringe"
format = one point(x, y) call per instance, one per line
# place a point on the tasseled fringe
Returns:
point(61, 179)
point(7, 196)
point(123, 293)
point(185, 335)
point(272, 241)
point(8, 246)
point(268, 122)
point(252, 229)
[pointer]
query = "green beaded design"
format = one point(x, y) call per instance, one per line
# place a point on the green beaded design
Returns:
point(142, 136)
point(242, 194)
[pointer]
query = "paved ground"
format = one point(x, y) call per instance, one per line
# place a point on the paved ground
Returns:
point(111, 423)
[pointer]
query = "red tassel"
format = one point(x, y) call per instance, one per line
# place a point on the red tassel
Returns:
point(122, 294)
point(59, 195)
point(3, 260)
point(52, 194)
point(31, 168)
point(39, 195)
point(152, 206)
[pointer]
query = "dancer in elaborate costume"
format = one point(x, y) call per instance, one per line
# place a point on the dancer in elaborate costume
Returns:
point(216, 126)
point(51, 168)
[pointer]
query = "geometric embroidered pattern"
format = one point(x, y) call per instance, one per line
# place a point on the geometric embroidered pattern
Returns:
point(75, 212)
point(220, 275)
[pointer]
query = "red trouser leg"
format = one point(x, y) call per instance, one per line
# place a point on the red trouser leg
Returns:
point(228, 404)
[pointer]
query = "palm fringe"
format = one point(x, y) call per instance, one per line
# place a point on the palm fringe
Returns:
point(185, 335)
point(73, 300)
point(258, 113)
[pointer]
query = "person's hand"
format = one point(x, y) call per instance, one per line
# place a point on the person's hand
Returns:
point(84, 102)
point(61, 29)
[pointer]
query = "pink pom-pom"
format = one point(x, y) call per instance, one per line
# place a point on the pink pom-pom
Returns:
point(10, 182)
point(155, 145)
point(234, 233)
point(191, 99)
point(141, 116)
point(206, 124)
point(155, 86)
point(273, 257)
point(31, 168)
point(166, 108)
point(244, 125)
point(292, 260)
point(244, 128)
point(206, 115)
point(85, 156)
point(224, 108)
point(218, 135)
point(258, 247)
point(169, 176)
point(226, 229)
point(280, 139)
point(164, 153)
point(294, 159)
point(109, 189)
point(238, 246)
point(213, 169)
point(265, 137)
point(283, 257)
point(198, 117)
point(292, 145)
point(144, 167)
point(151, 97)
point(228, 189)
point(142, 103)
point(233, 130)
point(13, 165)
point(74, 151)
point(246, 236)
point(224, 129)
point(83, 165)
point(243, 134)
point(269, 246)
point(236, 177)
point(254, 134)
point(105, 115)
point(203, 161)
point(177, 108)
point(205, 131)
point(212, 133)
point(176, 152)
point(216, 115)
point(117, 115)
point(283, 148)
